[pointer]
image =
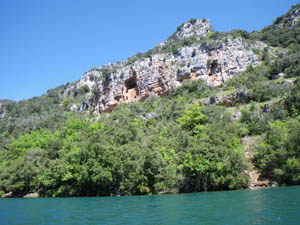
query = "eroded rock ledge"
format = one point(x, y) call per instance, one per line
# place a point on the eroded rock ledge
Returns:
point(157, 74)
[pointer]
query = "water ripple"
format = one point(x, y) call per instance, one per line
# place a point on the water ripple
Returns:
point(265, 206)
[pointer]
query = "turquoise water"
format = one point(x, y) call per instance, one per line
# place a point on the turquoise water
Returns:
point(264, 206)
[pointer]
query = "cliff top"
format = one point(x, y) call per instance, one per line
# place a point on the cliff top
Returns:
point(193, 27)
point(290, 19)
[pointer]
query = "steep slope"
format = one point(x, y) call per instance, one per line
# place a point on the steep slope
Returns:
point(290, 19)
point(284, 32)
point(196, 56)
point(229, 115)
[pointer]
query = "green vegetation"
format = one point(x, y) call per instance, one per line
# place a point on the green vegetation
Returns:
point(177, 150)
point(278, 155)
point(212, 41)
point(162, 145)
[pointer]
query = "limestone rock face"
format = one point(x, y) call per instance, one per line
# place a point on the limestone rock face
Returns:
point(227, 100)
point(4, 107)
point(194, 27)
point(291, 18)
point(214, 62)
point(2, 112)
point(294, 16)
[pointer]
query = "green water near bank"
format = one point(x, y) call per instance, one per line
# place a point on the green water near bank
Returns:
point(264, 206)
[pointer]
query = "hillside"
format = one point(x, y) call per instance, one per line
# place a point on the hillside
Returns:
point(202, 111)
point(193, 52)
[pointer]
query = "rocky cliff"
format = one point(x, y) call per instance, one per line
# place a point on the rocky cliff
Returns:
point(5, 105)
point(290, 19)
point(197, 57)
point(2, 111)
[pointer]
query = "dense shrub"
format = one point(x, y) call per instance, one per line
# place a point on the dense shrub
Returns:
point(162, 145)
point(292, 101)
point(278, 157)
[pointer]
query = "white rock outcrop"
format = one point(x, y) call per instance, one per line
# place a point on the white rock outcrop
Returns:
point(212, 61)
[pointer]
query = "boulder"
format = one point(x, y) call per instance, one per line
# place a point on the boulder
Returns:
point(32, 195)
point(8, 195)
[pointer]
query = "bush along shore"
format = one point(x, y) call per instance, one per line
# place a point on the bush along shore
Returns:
point(243, 133)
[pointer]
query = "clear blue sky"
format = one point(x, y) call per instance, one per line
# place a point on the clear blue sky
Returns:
point(46, 43)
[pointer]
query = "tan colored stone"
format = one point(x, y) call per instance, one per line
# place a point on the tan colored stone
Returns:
point(32, 195)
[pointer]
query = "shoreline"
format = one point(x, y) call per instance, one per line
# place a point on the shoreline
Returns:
point(36, 195)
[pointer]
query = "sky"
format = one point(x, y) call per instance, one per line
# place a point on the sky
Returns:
point(47, 43)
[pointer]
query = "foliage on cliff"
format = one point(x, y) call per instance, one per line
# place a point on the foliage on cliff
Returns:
point(123, 152)
point(162, 145)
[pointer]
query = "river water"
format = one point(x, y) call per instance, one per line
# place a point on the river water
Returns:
point(244, 207)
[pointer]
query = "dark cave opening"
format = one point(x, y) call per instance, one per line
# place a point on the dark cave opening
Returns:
point(131, 83)
point(213, 68)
